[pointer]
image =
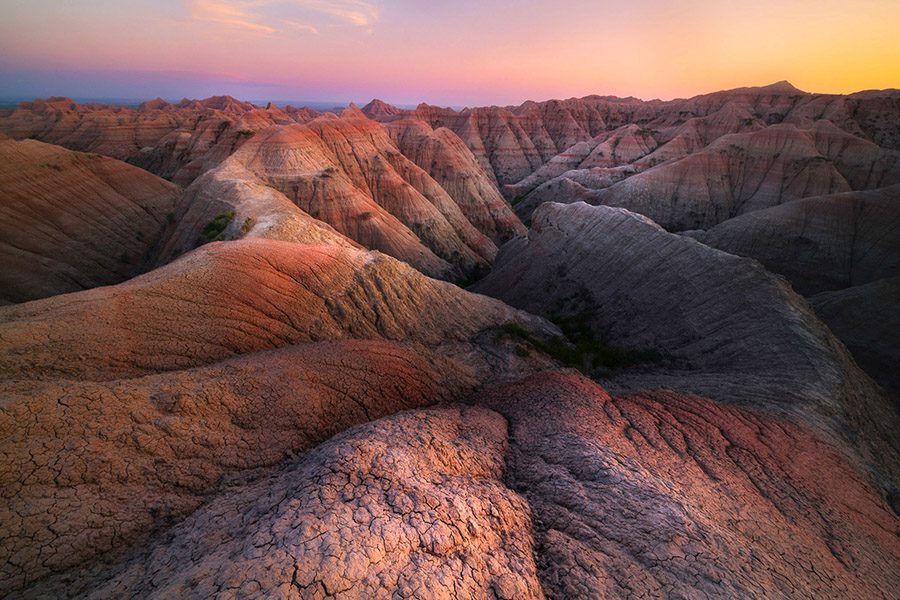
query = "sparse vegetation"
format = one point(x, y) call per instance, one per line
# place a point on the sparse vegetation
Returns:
point(247, 226)
point(215, 229)
point(246, 133)
point(579, 348)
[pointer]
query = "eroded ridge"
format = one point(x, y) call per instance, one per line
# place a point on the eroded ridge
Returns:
point(659, 494)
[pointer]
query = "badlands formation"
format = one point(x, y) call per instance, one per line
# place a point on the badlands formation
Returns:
point(596, 347)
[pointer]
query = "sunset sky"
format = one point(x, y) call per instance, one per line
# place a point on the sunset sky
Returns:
point(465, 52)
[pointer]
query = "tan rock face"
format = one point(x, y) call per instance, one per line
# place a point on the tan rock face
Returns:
point(72, 221)
point(255, 210)
point(444, 156)
point(741, 173)
point(345, 170)
point(658, 494)
point(292, 416)
point(513, 142)
point(348, 173)
point(227, 299)
point(724, 327)
point(175, 141)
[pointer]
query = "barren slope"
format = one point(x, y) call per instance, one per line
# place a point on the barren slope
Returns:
point(411, 505)
point(724, 327)
point(347, 172)
point(741, 173)
point(247, 208)
point(866, 319)
point(822, 243)
point(71, 221)
point(227, 299)
point(667, 495)
point(123, 407)
point(574, 493)
point(175, 141)
point(444, 156)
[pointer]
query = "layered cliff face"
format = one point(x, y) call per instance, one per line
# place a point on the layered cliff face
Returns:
point(71, 221)
point(175, 141)
point(444, 156)
point(741, 173)
point(340, 180)
point(347, 172)
point(288, 406)
point(514, 142)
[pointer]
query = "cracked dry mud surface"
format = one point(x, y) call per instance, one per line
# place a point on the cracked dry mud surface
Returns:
point(410, 506)
point(108, 437)
point(89, 467)
point(269, 419)
point(549, 487)
point(125, 474)
point(665, 495)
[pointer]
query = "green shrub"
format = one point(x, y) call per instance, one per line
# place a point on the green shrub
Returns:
point(580, 348)
point(215, 229)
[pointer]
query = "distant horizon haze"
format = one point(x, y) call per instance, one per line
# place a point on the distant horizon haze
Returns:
point(13, 100)
point(470, 53)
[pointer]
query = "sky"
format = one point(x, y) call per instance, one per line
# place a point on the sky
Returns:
point(459, 53)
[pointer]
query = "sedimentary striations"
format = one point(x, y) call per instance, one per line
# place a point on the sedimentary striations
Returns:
point(741, 173)
point(722, 326)
point(227, 299)
point(663, 494)
point(229, 202)
point(231, 358)
point(821, 243)
point(347, 172)
point(175, 141)
point(514, 142)
point(71, 221)
point(444, 156)
point(290, 415)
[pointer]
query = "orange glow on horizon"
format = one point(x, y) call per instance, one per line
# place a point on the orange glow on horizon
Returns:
point(487, 52)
